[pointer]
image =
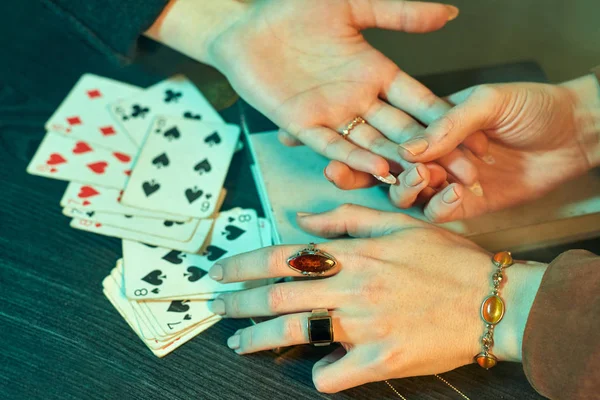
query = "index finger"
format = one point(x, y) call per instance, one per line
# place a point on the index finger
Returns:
point(272, 262)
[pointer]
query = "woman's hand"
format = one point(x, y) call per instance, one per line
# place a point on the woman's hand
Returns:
point(540, 136)
point(405, 302)
point(306, 65)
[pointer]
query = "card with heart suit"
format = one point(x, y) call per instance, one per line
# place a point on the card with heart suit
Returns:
point(84, 113)
point(168, 177)
point(159, 345)
point(180, 231)
point(101, 199)
point(155, 273)
point(191, 246)
point(176, 96)
point(68, 159)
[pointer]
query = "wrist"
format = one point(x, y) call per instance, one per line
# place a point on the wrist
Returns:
point(521, 283)
point(193, 26)
point(585, 95)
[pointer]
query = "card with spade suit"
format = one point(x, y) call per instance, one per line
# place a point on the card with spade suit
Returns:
point(176, 96)
point(191, 246)
point(84, 113)
point(159, 345)
point(86, 197)
point(182, 167)
point(156, 272)
point(69, 159)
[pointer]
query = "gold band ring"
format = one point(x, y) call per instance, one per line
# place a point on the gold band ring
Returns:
point(355, 122)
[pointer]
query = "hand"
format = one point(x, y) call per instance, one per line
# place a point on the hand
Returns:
point(305, 64)
point(404, 303)
point(540, 136)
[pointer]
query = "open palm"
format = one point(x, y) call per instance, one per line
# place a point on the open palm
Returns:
point(305, 64)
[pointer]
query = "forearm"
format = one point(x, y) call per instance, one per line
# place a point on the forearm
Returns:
point(191, 26)
point(586, 112)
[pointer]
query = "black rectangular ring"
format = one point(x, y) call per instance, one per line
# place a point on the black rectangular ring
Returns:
point(320, 331)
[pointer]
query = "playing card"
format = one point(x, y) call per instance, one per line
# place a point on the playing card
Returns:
point(84, 115)
point(98, 198)
point(191, 246)
point(157, 273)
point(180, 231)
point(264, 227)
point(181, 167)
point(160, 346)
point(176, 96)
point(65, 158)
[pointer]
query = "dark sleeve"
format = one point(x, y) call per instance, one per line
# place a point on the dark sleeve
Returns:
point(561, 345)
point(111, 26)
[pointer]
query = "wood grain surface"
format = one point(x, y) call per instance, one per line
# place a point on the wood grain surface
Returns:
point(62, 339)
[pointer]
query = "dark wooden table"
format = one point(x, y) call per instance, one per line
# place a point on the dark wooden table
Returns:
point(62, 339)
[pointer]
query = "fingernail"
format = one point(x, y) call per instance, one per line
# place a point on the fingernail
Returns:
point(476, 189)
point(216, 272)
point(303, 214)
point(234, 342)
point(415, 146)
point(327, 176)
point(217, 306)
point(450, 196)
point(413, 178)
point(389, 179)
point(452, 12)
point(488, 159)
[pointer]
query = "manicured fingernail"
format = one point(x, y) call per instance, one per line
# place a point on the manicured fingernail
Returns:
point(303, 214)
point(389, 179)
point(234, 342)
point(476, 189)
point(452, 12)
point(216, 272)
point(217, 306)
point(415, 146)
point(488, 159)
point(450, 196)
point(413, 178)
point(327, 176)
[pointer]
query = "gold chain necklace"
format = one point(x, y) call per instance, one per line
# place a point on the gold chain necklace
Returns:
point(464, 396)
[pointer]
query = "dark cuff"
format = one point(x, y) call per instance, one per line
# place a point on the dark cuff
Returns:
point(561, 344)
point(111, 26)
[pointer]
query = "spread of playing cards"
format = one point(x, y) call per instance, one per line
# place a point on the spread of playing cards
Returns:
point(149, 166)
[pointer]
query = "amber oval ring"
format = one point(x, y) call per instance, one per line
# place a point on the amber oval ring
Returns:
point(311, 261)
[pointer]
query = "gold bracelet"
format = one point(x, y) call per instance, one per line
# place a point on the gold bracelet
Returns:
point(492, 311)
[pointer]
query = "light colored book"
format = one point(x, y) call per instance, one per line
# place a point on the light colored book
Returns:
point(290, 179)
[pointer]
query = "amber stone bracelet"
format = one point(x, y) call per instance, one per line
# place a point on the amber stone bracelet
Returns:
point(492, 311)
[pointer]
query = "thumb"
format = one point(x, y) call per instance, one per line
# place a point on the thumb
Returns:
point(476, 110)
point(355, 221)
point(399, 15)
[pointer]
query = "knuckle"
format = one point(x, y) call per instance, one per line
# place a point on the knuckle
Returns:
point(371, 289)
point(275, 298)
point(485, 91)
point(329, 146)
point(275, 259)
point(427, 99)
point(232, 303)
point(247, 339)
point(292, 330)
point(388, 359)
point(322, 384)
point(346, 208)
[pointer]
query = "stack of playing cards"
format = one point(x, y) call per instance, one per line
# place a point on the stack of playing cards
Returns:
point(148, 166)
